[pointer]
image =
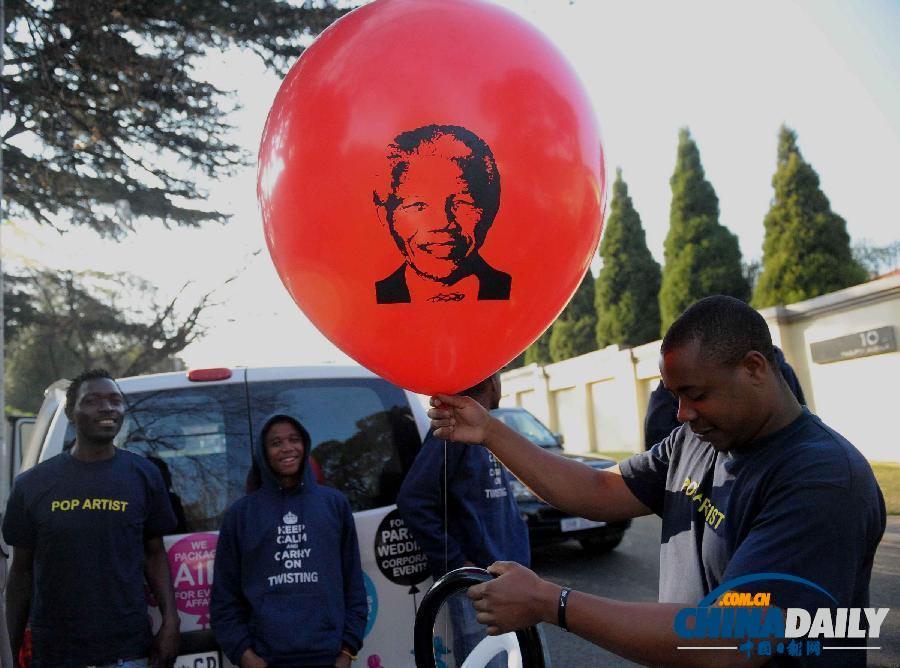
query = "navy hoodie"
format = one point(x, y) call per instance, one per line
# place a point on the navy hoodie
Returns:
point(288, 580)
point(483, 521)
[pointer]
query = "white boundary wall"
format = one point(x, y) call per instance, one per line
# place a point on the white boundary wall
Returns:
point(598, 401)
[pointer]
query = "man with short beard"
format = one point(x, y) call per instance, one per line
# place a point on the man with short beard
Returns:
point(87, 528)
point(751, 488)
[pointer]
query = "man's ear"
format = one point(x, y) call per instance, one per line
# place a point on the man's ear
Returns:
point(756, 365)
point(495, 390)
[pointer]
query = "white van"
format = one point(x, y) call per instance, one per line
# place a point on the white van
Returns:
point(198, 426)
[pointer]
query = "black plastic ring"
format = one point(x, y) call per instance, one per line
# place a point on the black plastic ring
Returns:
point(453, 582)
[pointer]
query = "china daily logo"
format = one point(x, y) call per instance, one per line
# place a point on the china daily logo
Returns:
point(748, 619)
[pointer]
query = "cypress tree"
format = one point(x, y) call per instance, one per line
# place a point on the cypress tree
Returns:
point(517, 362)
point(539, 351)
point(702, 257)
point(627, 289)
point(573, 331)
point(806, 251)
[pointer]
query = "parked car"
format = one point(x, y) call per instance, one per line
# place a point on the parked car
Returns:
point(546, 524)
point(198, 426)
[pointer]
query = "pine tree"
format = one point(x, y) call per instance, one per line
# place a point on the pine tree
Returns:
point(573, 331)
point(116, 127)
point(702, 257)
point(627, 289)
point(806, 251)
point(517, 362)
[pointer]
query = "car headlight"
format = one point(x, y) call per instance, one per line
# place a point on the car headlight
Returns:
point(520, 491)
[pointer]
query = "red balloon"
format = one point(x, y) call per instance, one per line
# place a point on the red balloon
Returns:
point(431, 182)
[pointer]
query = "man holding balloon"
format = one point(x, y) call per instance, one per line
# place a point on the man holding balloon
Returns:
point(751, 483)
point(460, 92)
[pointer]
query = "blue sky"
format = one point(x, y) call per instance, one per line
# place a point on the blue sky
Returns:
point(730, 72)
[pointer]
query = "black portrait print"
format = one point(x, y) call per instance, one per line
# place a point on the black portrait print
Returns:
point(442, 197)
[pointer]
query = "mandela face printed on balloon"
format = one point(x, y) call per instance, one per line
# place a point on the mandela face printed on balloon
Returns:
point(440, 202)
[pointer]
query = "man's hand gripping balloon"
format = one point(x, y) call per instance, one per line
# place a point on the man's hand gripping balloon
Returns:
point(461, 419)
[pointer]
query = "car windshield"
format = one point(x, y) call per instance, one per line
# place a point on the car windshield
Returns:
point(529, 426)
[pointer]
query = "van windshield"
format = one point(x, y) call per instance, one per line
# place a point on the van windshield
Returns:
point(199, 439)
point(364, 439)
point(364, 436)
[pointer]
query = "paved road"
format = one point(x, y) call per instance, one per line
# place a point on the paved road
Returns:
point(630, 573)
point(886, 594)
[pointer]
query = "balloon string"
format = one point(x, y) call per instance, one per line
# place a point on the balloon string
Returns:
point(446, 539)
point(446, 515)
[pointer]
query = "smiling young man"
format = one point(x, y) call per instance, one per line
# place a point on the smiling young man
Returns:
point(87, 528)
point(288, 585)
point(751, 483)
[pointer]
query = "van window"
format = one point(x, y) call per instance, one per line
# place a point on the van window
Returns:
point(364, 436)
point(364, 439)
point(198, 437)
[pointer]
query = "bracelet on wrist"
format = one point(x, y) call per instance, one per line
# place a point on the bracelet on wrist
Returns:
point(353, 657)
point(561, 609)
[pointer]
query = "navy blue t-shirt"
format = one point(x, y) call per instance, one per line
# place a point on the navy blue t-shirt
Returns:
point(87, 523)
point(483, 521)
point(802, 501)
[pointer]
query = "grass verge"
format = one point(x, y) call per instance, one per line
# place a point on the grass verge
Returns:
point(888, 476)
point(615, 455)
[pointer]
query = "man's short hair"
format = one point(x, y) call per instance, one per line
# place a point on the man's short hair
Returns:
point(480, 387)
point(77, 381)
point(477, 164)
point(283, 417)
point(725, 328)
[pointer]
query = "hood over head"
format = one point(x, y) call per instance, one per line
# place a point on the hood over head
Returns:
point(267, 476)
